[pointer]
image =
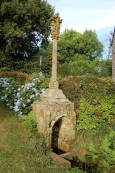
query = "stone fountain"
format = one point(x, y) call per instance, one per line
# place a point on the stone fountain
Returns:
point(55, 114)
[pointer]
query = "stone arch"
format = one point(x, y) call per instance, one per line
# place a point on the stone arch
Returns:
point(61, 132)
point(58, 118)
point(55, 134)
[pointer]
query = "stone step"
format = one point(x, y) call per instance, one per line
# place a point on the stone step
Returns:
point(68, 155)
point(60, 161)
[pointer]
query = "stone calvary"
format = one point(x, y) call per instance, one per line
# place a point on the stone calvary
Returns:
point(56, 118)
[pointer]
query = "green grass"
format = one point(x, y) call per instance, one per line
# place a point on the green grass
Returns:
point(18, 146)
point(22, 151)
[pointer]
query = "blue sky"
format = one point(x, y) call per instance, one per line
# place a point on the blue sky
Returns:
point(85, 14)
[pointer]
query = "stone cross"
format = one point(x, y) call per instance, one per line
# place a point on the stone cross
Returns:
point(55, 30)
point(55, 114)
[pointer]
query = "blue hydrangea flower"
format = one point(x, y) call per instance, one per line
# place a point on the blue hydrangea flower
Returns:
point(28, 100)
point(11, 107)
point(20, 113)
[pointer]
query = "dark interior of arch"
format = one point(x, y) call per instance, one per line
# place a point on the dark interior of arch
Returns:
point(55, 136)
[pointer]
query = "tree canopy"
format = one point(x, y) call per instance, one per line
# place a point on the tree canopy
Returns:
point(23, 25)
point(73, 44)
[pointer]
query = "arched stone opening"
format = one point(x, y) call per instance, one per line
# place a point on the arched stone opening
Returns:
point(55, 135)
point(56, 120)
point(62, 134)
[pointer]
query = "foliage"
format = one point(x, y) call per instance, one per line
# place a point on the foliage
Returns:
point(17, 76)
point(8, 90)
point(82, 66)
point(92, 46)
point(20, 98)
point(31, 66)
point(40, 63)
point(74, 170)
point(73, 43)
point(106, 68)
point(96, 111)
point(23, 24)
point(82, 81)
point(101, 148)
point(76, 68)
point(94, 100)
point(8, 64)
point(97, 104)
point(29, 121)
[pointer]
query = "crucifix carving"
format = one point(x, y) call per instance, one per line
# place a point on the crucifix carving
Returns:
point(55, 30)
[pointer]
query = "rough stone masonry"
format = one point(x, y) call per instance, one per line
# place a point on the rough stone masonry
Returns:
point(113, 57)
point(55, 114)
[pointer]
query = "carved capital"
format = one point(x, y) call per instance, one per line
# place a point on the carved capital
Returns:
point(55, 26)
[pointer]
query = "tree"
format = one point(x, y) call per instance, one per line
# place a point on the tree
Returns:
point(74, 44)
point(24, 24)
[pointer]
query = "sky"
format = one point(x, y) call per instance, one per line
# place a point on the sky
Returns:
point(85, 14)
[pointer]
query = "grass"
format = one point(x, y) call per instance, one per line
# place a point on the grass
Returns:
point(22, 151)
point(19, 151)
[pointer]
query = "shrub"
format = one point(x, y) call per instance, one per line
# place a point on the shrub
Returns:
point(29, 121)
point(40, 63)
point(84, 66)
point(31, 66)
point(18, 76)
point(101, 149)
point(20, 98)
point(79, 67)
point(94, 100)
point(74, 170)
point(91, 115)
point(8, 91)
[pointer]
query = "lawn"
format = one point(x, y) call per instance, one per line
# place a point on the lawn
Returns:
point(18, 146)
point(23, 151)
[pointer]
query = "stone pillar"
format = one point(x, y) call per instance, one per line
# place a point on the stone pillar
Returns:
point(53, 80)
point(55, 29)
point(113, 57)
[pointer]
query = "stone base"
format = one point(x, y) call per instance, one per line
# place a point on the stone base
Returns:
point(54, 95)
point(56, 118)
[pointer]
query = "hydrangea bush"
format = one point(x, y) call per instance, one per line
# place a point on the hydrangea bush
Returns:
point(20, 97)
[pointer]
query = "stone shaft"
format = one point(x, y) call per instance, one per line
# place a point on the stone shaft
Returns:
point(113, 59)
point(53, 81)
point(55, 30)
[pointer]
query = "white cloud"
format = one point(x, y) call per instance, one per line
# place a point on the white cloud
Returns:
point(94, 20)
point(81, 27)
point(85, 14)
